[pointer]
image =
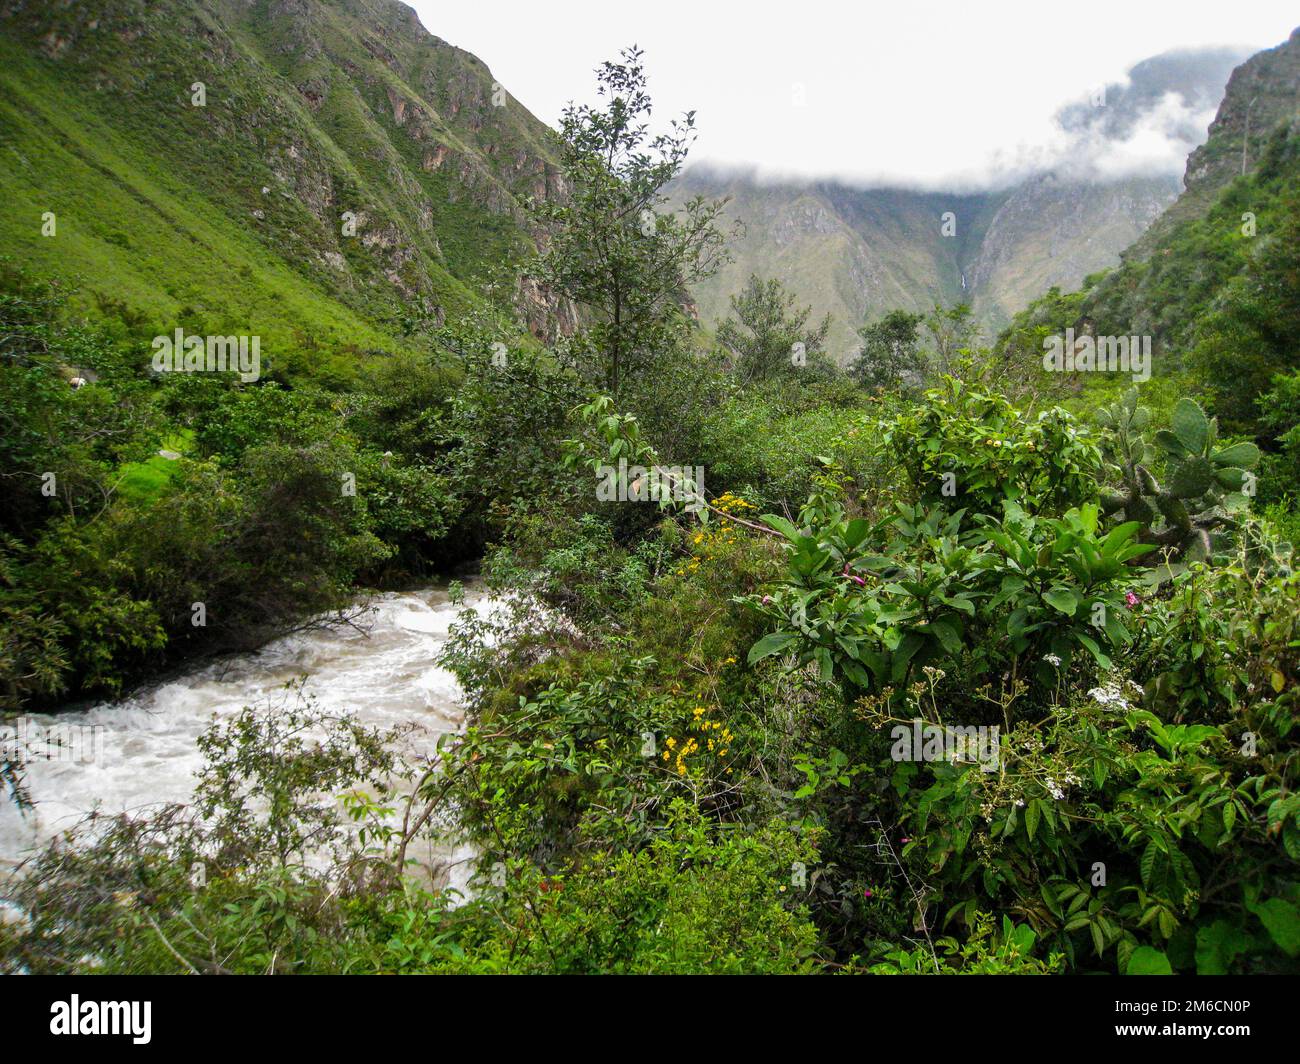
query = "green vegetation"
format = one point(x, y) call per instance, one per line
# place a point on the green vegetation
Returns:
point(1218, 291)
point(949, 677)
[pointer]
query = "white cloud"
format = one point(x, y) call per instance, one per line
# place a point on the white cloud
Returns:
point(1159, 143)
point(929, 92)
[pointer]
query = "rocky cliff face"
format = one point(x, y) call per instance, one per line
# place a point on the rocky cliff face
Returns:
point(380, 165)
point(1054, 231)
point(857, 253)
point(1239, 185)
point(849, 253)
point(1262, 94)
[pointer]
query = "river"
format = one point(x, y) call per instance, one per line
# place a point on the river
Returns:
point(144, 750)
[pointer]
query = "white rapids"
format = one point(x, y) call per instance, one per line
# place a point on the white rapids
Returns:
point(144, 749)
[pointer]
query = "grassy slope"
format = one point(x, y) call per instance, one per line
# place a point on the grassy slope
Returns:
point(134, 230)
point(227, 217)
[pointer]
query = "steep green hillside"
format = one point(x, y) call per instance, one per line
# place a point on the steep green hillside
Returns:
point(1238, 187)
point(345, 167)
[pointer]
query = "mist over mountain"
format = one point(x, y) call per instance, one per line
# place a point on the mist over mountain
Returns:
point(1176, 264)
point(1152, 121)
point(1046, 215)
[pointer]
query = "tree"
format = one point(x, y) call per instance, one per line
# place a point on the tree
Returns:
point(608, 245)
point(890, 358)
point(764, 330)
point(951, 330)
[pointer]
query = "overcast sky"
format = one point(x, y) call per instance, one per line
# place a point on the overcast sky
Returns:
point(931, 92)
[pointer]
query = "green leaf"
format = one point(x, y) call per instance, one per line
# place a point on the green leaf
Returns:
point(1091, 646)
point(1063, 599)
point(1148, 961)
point(948, 630)
point(1174, 511)
point(825, 663)
point(1016, 622)
point(1169, 442)
point(770, 644)
point(856, 532)
point(1190, 425)
point(1282, 921)
point(782, 525)
point(1032, 812)
point(907, 648)
point(1118, 536)
point(1148, 863)
point(1192, 478)
point(1240, 455)
point(1218, 945)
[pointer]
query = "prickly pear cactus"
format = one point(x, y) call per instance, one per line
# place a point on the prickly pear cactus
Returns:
point(1205, 485)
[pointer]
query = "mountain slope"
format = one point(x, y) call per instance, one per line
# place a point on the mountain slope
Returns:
point(345, 168)
point(1171, 277)
point(847, 253)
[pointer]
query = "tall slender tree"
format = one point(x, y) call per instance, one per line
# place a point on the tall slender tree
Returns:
point(609, 244)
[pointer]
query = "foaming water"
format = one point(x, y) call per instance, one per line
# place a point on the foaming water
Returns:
point(145, 750)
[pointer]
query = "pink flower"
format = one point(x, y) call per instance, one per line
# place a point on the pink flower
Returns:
point(867, 893)
point(767, 600)
point(1131, 599)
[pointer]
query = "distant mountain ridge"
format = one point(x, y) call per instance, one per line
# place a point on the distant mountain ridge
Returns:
point(855, 253)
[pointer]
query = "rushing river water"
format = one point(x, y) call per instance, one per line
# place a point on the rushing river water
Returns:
point(144, 746)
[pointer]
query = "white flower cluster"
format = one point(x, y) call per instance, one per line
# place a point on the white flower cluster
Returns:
point(1057, 790)
point(1111, 695)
